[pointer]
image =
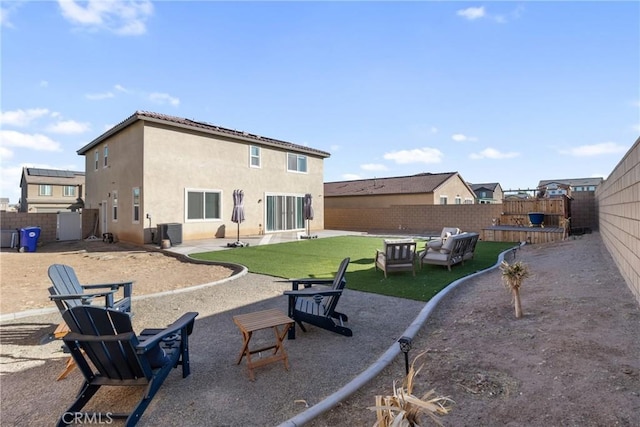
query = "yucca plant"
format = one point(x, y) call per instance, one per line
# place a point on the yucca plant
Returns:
point(404, 409)
point(512, 276)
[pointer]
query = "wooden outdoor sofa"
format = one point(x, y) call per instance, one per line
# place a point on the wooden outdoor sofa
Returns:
point(455, 249)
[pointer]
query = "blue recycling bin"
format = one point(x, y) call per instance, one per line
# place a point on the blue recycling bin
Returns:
point(29, 239)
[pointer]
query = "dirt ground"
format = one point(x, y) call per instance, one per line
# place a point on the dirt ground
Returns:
point(572, 360)
point(25, 282)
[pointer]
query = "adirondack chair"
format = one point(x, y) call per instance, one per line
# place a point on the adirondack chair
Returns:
point(105, 338)
point(318, 306)
point(67, 292)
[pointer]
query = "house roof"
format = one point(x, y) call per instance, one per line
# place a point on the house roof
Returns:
point(492, 186)
point(420, 183)
point(202, 127)
point(574, 182)
point(52, 176)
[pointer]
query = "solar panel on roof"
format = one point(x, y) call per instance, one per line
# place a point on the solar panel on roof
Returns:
point(50, 172)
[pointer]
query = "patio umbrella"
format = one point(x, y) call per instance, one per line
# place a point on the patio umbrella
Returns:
point(237, 215)
point(308, 211)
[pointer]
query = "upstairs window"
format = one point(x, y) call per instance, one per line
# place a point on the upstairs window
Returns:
point(69, 190)
point(296, 163)
point(443, 200)
point(254, 156)
point(44, 190)
point(106, 156)
point(96, 158)
point(458, 200)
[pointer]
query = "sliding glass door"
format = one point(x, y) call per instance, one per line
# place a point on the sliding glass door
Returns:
point(285, 213)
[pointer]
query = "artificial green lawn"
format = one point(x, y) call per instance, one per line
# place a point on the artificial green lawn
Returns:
point(320, 258)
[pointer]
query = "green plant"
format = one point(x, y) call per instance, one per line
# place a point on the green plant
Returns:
point(404, 409)
point(512, 276)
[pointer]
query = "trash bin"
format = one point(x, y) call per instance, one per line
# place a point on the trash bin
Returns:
point(29, 239)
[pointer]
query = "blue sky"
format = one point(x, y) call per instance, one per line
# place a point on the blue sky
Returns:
point(508, 92)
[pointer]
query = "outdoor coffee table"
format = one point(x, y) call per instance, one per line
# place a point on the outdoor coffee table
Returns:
point(251, 322)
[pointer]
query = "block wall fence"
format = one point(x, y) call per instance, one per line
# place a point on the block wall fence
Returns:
point(48, 223)
point(619, 216)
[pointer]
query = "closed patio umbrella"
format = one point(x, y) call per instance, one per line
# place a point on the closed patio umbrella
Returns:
point(308, 212)
point(237, 215)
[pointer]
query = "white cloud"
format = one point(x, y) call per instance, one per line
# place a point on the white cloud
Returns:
point(163, 98)
point(471, 13)
point(417, 155)
point(373, 167)
point(99, 96)
point(69, 127)
point(350, 176)
point(458, 137)
point(492, 153)
point(44, 83)
point(5, 154)
point(39, 142)
point(335, 147)
point(123, 17)
point(120, 88)
point(22, 118)
point(595, 149)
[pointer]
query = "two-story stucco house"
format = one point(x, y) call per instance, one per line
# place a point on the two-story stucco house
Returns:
point(50, 190)
point(155, 169)
point(488, 192)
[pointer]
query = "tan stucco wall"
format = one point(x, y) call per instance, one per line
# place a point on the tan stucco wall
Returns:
point(619, 216)
point(452, 188)
point(175, 160)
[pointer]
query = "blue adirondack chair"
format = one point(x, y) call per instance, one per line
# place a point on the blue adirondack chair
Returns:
point(105, 338)
point(317, 306)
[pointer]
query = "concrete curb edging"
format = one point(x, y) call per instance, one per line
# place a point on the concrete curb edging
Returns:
point(388, 356)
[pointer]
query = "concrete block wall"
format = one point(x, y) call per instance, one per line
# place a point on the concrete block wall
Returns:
point(584, 210)
point(619, 216)
point(414, 219)
point(48, 223)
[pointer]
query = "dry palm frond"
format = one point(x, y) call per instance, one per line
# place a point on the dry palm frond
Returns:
point(404, 409)
point(514, 274)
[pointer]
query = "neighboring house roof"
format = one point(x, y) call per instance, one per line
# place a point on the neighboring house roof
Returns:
point(492, 186)
point(420, 183)
point(203, 127)
point(573, 182)
point(51, 176)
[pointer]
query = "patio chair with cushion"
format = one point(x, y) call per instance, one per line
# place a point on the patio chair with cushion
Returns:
point(397, 255)
point(436, 243)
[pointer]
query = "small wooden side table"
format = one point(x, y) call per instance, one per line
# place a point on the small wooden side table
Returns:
point(251, 322)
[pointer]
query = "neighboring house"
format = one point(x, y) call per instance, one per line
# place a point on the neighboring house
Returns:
point(156, 169)
point(4, 203)
point(557, 187)
point(51, 190)
point(488, 193)
point(421, 189)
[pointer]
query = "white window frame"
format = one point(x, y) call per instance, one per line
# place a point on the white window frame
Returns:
point(257, 157)
point(458, 200)
point(105, 163)
point(45, 190)
point(135, 205)
point(96, 158)
point(114, 207)
point(445, 199)
point(204, 192)
point(69, 190)
point(299, 158)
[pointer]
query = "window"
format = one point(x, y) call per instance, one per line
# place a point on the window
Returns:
point(285, 212)
point(254, 156)
point(136, 205)
point(203, 205)
point(592, 188)
point(106, 156)
point(114, 207)
point(483, 194)
point(443, 200)
point(69, 191)
point(296, 163)
point(468, 201)
point(458, 200)
point(44, 190)
point(96, 158)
